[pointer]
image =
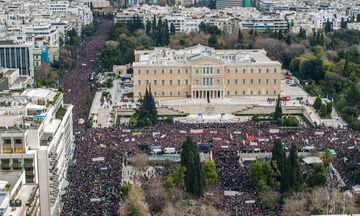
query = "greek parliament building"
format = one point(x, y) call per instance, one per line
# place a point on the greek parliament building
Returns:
point(202, 72)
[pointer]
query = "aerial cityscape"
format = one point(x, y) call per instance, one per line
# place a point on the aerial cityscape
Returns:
point(179, 107)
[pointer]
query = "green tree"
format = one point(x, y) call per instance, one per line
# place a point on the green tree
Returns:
point(326, 158)
point(288, 40)
point(179, 176)
point(147, 109)
point(280, 35)
point(169, 183)
point(264, 174)
point(328, 26)
point(318, 102)
point(212, 42)
point(124, 190)
point(133, 121)
point(169, 120)
point(323, 110)
point(194, 176)
point(240, 37)
point(172, 29)
point(317, 210)
point(329, 106)
point(210, 172)
point(148, 27)
point(318, 177)
point(357, 200)
point(278, 155)
point(292, 178)
point(278, 109)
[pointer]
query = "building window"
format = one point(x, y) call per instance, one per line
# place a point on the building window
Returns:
point(147, 82)
point(274, 81)
point(139, 94)
point(186, 71)
point(170, 93)
point(259, 70)
point(244, 70)
point(211, 70)
point(155, 93)
point(197, 82)
point(147, 71)
point(267, 70)
point(170, 71)
point(236, 70)
point(251, 92)
point(228, 70)
point(207, 70)
point(236, 81)
point(186, 93)
point(259, 92)
point(162, 71)
point(267, 81)
point(155, 82)
point(274, 70)
point(235, 92)
point(244, 92)
point(186, 82)
point(252, 70)
point(259, 81)
point(139, 82)
point(178, 93)
point(267, 92)
point(139, 71)
point(251, 81)
point(244, 81)
point(211, 81)
point(154, 72)
point(218, 82)
point(228, 92)
point(197, 71)
point(203, 70)
point(228, 82)
point(162, 93)
point(178, 82)
point(170, 82)
point(178, 71)
point(218, 71)
point(162, 82)
point(274, 92)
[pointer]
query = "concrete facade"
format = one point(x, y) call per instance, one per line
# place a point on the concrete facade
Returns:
point(203, 72)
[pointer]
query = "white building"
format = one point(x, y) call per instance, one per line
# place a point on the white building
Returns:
point(37, 137)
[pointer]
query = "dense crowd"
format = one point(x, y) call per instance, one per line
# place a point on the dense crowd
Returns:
point(95, 175)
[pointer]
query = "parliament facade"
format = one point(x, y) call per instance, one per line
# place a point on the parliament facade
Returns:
point(202, 72)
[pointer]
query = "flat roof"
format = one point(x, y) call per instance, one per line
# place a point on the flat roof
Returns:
point(37, 93)
point(10, 177)
point(53, 126)
point(25, 192)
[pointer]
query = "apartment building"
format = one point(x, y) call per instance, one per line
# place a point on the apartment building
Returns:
point(36, 137)
point(203, 72)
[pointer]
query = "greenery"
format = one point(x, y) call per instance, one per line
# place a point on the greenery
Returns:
point(264, 174)
point(169, 120)
point(56, 98)
point(278, 155)
point(60, 113)
point(317, 178)
point(194, 176)
point(286, 121)
point(125, 189)
point(210, 172)
point(292, 178)
point(278, 109)
point(147, 112)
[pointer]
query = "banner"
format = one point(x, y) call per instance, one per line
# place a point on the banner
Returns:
point(98, 159)
point(250, 201)
point(196, 131)
point(213, 132)
point(183, 132)
point(272, 131)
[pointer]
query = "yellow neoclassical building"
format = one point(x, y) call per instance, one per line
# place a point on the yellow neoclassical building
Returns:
point(203, 72)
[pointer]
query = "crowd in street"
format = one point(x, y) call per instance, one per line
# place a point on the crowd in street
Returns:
point(95, 175)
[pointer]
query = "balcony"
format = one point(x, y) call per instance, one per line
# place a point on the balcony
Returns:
point(17, 165)
point(28, 165)
point(29, 172)
point(5, 165)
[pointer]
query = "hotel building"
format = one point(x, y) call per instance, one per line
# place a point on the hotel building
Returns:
point(202, 72)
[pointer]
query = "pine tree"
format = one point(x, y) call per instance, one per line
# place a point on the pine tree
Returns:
point(153, 28)
point(280, 35)
point(148, 27)
point(317, 103)
point(328, 26)
point(147, 110)
point(292, 179)
point(172, 29)
point(278, 109)
point(288, 40)
point(194, 176)
point(278, 155)
point(240, 37)
point(166, 33)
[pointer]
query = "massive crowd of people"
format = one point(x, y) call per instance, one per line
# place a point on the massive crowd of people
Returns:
point(95, 175)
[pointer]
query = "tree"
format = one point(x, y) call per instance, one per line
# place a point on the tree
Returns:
point(148, 27)
point(124, 190)
point(240, 37)
point(202, 27)
point(326, 158)
point(317, 210)
point(212, 42)
point(194, 176)
point(166, 33)
point(179, 176)
point(169, 120)
point(278, 109)
point(292, 179)
point(278, 155)
point(317, 178)
point(169, 183)
point(318, 102)
point(328, 26)
point(172, 29)
point(329, 106)
point(212, 4)
point(264, 174)
point(288, 40)
point(280, 35)
point(210, 172)
point(323, 110)
point(147, 109)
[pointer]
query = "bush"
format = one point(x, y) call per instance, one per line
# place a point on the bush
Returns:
point(255, 118)
point(317, 210)
point(148, 122)
point(323, 110)
point(140, 123)
point(169, 120)
point(329, 106)
point(318, 102)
